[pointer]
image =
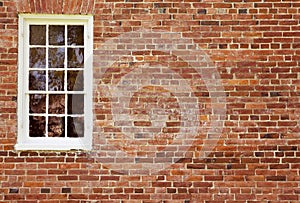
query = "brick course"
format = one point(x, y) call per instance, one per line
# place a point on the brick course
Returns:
point(254, 45)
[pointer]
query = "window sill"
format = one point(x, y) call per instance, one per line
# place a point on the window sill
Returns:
point(54, 144)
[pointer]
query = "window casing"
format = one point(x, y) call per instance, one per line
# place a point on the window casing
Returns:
point(55, 82)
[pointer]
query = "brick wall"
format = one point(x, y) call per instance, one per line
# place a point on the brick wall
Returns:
point(244, 145)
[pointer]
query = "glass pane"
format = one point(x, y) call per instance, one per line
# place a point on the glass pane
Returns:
point(56, 126)
point(75, 35)
point(37, 35)
point(75, 126)
point(37, 126)
point(56, 81)
point(56, 104)
point(75, 57)
point(75, 80)
point(37, 58)
point(56, 34)
point(37, 80)
point(37, 103)
point(75, 104)
point(56, 58)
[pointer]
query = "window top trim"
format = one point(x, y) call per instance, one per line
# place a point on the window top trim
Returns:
point(55, 19)
point(55, 16)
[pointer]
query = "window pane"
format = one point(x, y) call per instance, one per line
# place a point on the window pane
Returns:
point(75, 80)
point(37, 58)
point(56, 81)
point(56, 35)
point(75, 35)
point(56, 104)
point(75, 57)
point(75, 104)
point(37, 126)
point(56, 126)
point(56, 57)
point(75, 126)
point(37, 103)
point(37, 35)
point(37, 80)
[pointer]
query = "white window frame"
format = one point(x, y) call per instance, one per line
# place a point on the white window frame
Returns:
point(24, 142)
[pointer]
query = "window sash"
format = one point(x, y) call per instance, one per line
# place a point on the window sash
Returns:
point(53, 143)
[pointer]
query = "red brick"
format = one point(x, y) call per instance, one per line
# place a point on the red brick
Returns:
point(78, 196)
point(254, 46)
point(289, 197)
point(110, 178)
point(67, 178)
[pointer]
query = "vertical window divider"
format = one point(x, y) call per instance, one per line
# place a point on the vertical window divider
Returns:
point(26, 38)
point(47, 80)
point(66, 80)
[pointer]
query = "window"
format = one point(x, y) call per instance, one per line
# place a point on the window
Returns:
point(55, 82)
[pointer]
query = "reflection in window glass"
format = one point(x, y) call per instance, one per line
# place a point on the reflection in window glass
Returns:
point(75, 126)
point(37, 35)
point(75, 35)
point(56, 58)
point(37, 80)
point(75, 104)
point(56, 126)
point(56, 104)
point(37, 103)
point(75, 80)
point(37, 126)
point(75, 57)
point(37, 58)
point(56, 80)
point(56, 62)
point(56, 34)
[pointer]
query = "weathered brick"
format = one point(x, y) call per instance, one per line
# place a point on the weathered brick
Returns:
point(254, 46)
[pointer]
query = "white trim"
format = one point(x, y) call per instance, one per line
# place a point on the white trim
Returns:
point(25, 142)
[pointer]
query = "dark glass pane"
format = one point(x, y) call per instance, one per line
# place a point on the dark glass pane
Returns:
point(56, 126)
point(37, 58)
point(37, 126)
point(56, 81)
point(37, 80)
point(75, 126)
point(75, 80)
point(37, 103)
point(75, 104)
point(75, 57)
point(56, 57)
point(56, 34)
point(37, 35)
point(75, 35)
point(56, 104)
